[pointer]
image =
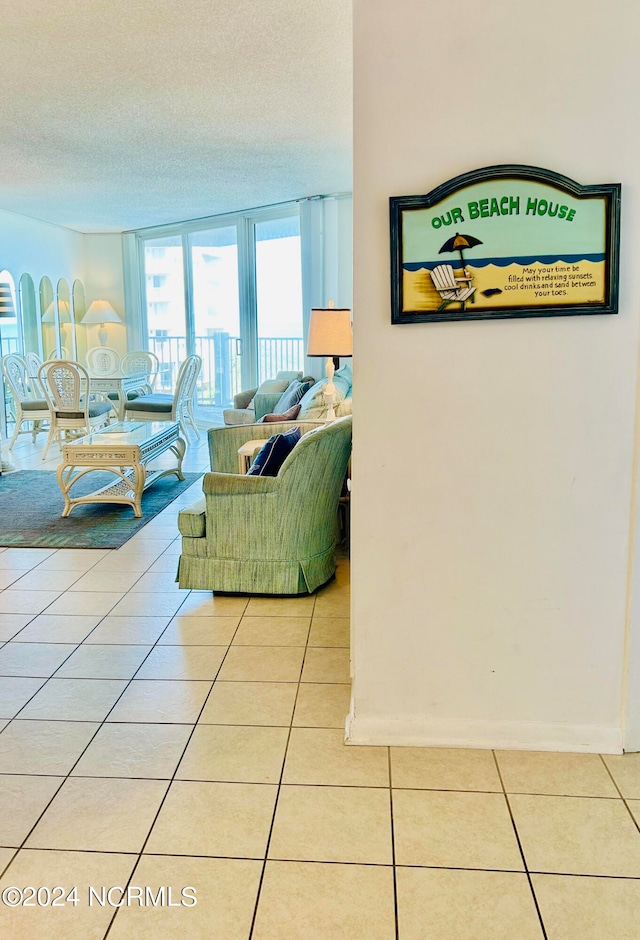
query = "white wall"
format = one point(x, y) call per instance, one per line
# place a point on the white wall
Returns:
point(492, 460)
point(104, 280)
point(40, 248)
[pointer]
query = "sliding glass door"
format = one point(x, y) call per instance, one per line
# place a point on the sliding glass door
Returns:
point(164, 289)
point(230, 292)
point(213, 255)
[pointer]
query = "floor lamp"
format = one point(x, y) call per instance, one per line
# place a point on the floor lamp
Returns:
point(7, 311)
point(330, 335)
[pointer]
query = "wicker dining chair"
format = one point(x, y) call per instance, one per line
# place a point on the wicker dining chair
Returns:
point(140, 362)
point(103, 360)
point(28, 403)
point(33, 362)
point(177, 407)
point(66, 387)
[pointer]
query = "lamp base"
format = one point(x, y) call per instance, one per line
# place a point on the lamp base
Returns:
point(329, 400)
point(102, 335)
point(329, 392)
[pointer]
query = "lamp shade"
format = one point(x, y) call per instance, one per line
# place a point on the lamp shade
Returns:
point(7, 308)
point(64, 309)
point(330, 332)
point(101, 311)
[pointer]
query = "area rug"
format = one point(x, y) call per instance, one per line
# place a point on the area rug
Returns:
point(31, 504)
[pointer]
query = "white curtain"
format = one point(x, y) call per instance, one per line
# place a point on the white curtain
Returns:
point(326, 240)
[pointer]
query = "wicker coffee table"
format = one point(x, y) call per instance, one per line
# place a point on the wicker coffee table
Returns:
point(124, 449)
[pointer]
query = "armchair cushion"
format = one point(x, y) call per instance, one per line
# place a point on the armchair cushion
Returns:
point(244, 399)
point(235, 416)
point(289, 375)
point(313, 405)
point(345, 407)
point(289, 415)
point(345, 372)
point(269, 386)
point(268, 395)
point(273, 453)
point(291, 396)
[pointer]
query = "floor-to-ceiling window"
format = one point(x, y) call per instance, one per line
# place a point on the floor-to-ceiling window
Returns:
point(164, 292)
point(215, 302)
point(230, 290)
point(279, 311)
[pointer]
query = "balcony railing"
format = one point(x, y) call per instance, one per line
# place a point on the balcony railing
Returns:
point(220, 378)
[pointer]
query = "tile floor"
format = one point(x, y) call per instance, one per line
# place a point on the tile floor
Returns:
point(152, 737)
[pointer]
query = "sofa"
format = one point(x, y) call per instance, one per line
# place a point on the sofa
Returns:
point(251, 405)
point(313, 406)
point(266, 534)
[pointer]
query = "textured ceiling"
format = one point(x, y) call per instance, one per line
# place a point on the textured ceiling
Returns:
point(118, 115)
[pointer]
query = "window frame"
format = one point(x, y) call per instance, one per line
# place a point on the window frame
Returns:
point(245, 222)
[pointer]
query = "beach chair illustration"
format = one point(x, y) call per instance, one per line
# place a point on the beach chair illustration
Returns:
point(452, 289)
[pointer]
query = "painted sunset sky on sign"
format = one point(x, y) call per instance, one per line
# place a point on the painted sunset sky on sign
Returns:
point(539, 245)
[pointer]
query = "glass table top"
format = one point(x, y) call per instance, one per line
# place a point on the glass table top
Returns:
point(125, 432)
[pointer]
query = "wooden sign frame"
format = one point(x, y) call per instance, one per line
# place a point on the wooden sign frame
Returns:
point(505, 241)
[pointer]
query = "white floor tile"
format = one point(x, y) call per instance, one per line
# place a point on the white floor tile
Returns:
point(39, 580)
point(15, 692)
point(23, 558)
point(83, 602)
point(124, 630)
point(58, 628)
point(27, 602)
point(12, 624)
point(147, 605)
point(72, 559)
point(75, 699)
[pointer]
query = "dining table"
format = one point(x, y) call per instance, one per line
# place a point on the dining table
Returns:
point(100, 384)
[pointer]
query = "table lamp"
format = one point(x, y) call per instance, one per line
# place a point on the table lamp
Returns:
point(64, 311)
point(7, 311)
point(330, 335)
point(101, 311)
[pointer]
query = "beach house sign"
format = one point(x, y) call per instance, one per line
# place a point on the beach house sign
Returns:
point(505, 241)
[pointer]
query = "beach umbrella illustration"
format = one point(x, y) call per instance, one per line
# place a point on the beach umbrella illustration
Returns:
point(457, 242)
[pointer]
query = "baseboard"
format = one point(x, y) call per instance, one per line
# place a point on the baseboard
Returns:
point(507, 735)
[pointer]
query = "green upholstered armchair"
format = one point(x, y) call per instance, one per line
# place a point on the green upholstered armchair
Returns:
point(266, 535)
point(224, 443)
